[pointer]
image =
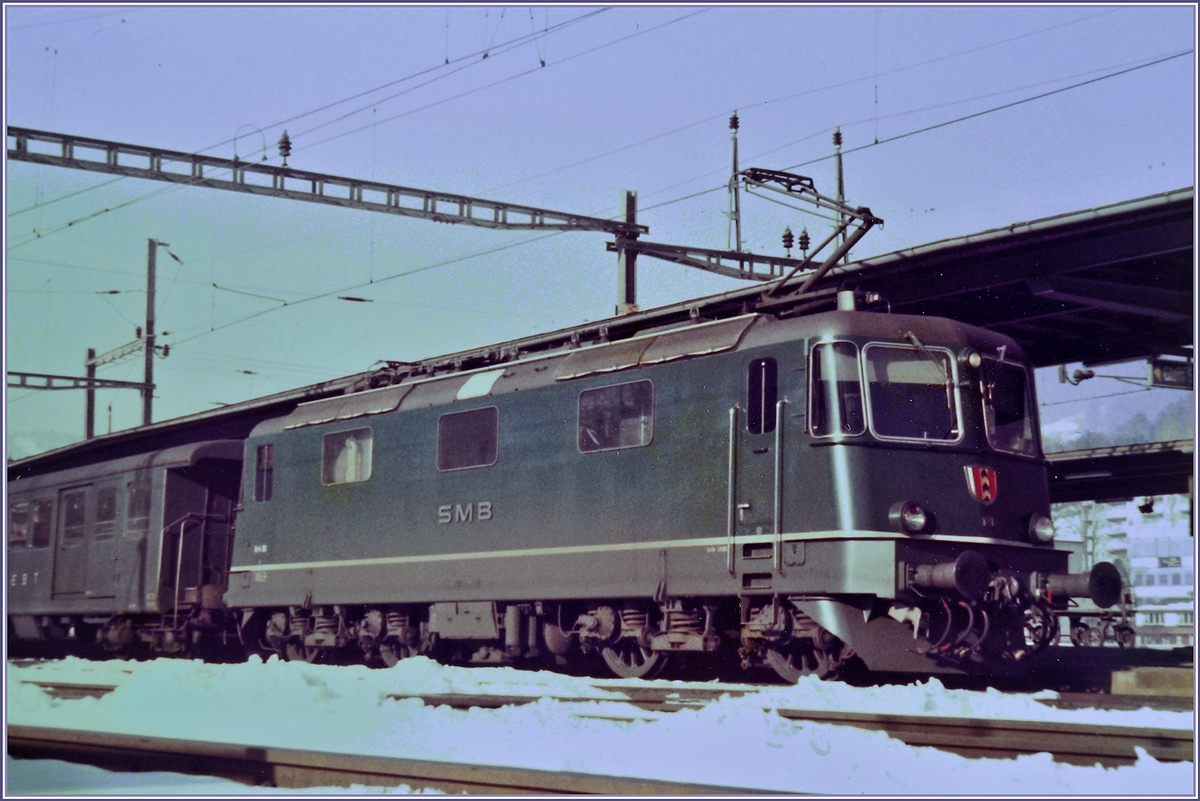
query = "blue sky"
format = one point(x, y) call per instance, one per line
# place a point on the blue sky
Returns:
point(629, 97)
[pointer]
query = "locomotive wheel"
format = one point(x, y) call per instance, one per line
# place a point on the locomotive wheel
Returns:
point(800, 658)
point(1093, 637)
point(391, 651)
point(629, 660)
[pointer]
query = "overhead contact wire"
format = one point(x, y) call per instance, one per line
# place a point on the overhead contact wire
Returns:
point(509, 45)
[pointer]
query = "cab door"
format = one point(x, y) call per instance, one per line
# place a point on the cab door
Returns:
point(756, 462)
point(71, 544)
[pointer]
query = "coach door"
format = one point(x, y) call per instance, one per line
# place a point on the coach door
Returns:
point(755, 463)
point(102, 550)
point(71, 545)
point(197, 539)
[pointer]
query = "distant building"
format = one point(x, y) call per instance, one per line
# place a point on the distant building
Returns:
point(1150, 542)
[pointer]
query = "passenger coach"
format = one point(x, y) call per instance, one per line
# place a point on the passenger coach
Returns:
point(103, 552)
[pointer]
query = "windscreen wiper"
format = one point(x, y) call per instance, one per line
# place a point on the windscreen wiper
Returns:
point(940, 366)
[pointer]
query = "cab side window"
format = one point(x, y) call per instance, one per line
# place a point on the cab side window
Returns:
point(264, 472)
point(762, 395)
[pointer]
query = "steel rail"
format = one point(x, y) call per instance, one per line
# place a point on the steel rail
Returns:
point(1072, 743)
point(296, 768)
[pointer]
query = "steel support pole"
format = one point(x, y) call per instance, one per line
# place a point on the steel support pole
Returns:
point(627, 262)
point(89, 421)
point(148, 392)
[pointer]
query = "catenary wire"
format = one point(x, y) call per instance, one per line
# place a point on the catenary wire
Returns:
point(63, 226)
point(509, 45)
point(796, 95)
point(677, 200)
point(504, 80)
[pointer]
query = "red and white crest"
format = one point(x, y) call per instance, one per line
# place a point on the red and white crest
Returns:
point(981, 481)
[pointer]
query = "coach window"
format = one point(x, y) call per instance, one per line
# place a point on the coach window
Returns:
point(18, 525)
point(74, 515)
point(615, 417)
point(43, 512)
point(835, 391)
point(264, 472)
point(106, 512)
point(468, 439)
point(137, 508)
point(347, 457)
point(762, 396)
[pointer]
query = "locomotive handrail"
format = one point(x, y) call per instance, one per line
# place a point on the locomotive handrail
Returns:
point(731, 522)
point(780, 405)
point(201, 518)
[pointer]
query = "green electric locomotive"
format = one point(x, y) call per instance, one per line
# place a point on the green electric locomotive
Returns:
point(800, 492)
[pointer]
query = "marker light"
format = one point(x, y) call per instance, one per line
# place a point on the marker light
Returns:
point(1041, 529)
point(911, 517)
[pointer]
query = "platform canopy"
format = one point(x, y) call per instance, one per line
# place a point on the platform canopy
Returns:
point(1107, 284)
point(1121, 472)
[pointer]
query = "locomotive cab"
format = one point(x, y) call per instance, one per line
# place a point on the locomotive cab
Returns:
point(915, 507)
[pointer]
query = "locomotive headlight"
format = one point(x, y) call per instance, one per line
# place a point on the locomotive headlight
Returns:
point(1041, 528)
point(911, 517)
point(971, 358)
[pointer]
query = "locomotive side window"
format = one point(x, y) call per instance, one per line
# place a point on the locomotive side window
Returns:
point(912, 393)
point(106, 512)
point(137, 508)
point(74, 515)
point(762, 396)
point(620, 416)
point(468, 439)
point(18, 525)
point(1007, 407)
point(43, 512)
point(264, 472)
point(835, 392)
point(347, 457)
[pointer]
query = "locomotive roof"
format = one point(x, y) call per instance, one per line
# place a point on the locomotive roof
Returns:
point(655, 347)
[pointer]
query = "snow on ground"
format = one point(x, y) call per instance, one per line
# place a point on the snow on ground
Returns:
point(54, 777)
point(732, 742)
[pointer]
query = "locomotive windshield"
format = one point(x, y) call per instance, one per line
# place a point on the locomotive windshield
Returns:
point(911, 393)
point(1007, 410)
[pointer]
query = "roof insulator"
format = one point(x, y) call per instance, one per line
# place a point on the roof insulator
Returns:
point(285, 147)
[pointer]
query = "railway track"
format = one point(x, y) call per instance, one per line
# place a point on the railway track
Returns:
point(1072, 743)
point(295, 768)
